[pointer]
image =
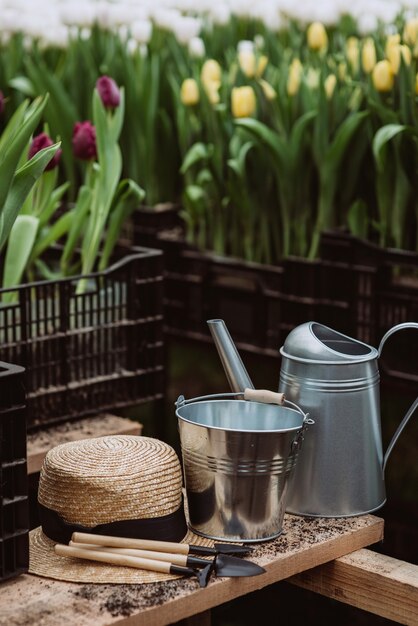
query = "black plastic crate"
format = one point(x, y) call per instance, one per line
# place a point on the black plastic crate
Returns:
point(387, 294)
point(92, 352)
point(14, 514)
point(259, 303)
point(148, 223)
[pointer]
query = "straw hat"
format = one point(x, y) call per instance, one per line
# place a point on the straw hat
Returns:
point(119, 485)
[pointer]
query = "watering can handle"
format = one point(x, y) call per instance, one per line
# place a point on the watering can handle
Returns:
point(412, 408)
point(395, 329)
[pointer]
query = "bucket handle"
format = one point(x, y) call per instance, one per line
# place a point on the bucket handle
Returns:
point(414, 405)
point(280, 399)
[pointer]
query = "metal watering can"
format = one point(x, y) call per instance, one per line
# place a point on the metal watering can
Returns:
point(335, 378)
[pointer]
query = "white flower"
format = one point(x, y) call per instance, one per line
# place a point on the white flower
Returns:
point(367, 23)
point(245, 46)
point(259, 42)
point(85, 33)
point(220, 14)
point(131, 46)
point(141, 30)
point(196, 47)
point(185, 28)
point(164, 18)
point(77, 14)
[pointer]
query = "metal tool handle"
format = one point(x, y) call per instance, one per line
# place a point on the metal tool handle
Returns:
point(414, 405)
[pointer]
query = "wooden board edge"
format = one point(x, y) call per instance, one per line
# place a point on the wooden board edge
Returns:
point(370, 581)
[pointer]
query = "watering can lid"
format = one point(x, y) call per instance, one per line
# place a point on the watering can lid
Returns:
point(316, 342)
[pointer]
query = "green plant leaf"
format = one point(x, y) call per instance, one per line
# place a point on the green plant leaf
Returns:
point(198, 152)
point(57, 230)
point(22, 183)
point(22, 84)
point(82, 207)
point(357, 219)
point(13, 125)
point(342, 139)
point(21, 240)
point(381, 138)
point(128, 197)
point(11, 154)
point(266, 138)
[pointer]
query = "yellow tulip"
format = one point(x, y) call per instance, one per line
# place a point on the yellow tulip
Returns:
point(317, 36)
point(294, 78)
point(342, 70)
point(312, 78)
point(368, 55)
point(394, 56)
point(247, 62)
point(212, 92)
point(352, 53)
point(250, 65)
point(189, 92)
point(392, 40)
point(243, 102)
point(410, 32)
point(211, 72)
point(329, 85)
point(261, 65)
point(268, 90)
point(382, 76)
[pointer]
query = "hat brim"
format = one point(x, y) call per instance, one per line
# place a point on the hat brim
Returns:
point(43, 561)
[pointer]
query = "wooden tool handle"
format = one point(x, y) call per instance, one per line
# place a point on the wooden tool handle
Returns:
point(264, 395)
point(124, 542)
point(175, 559)
point(113, 559)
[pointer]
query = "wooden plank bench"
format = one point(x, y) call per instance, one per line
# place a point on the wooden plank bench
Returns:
point(370, 581)
point(39, 443)
point(306, 543)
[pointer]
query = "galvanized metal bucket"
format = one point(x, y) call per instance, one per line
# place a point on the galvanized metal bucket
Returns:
point(237, 459)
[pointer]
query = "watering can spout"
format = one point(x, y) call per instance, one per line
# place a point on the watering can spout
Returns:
point(235, 371)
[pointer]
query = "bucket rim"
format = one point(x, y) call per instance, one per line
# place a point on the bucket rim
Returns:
point(241, 430)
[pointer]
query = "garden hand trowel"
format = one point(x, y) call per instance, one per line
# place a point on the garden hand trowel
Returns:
point(222, 564)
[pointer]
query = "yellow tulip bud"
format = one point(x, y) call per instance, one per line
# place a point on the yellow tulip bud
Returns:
point(261, 65)
point(312, 78)
point(247, 62)
point(267, 90)
point(410, 32)
point(342, 70)
point(212, 92)
point(211, 72)
point(189, 92)
point(392, 40)
point(352, 53)
point(250, 65)
point(317, 36)
point(294, 78)
point(368, 55)
point(382, 76)
point(329, 85)
point(394, 56)
point(243, 101)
